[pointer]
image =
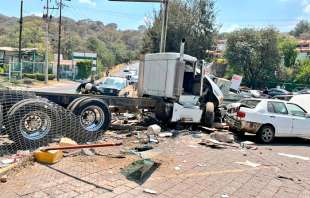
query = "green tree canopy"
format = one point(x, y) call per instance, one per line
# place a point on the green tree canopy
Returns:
point(302, 30)
point(288, 50)
point(253, 54)
point(193, 20)
point(304, 73)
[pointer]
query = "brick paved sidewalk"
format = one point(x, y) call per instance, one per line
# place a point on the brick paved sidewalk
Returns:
point(202, 172)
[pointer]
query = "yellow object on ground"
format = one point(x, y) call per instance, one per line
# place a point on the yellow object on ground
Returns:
point(48, 157)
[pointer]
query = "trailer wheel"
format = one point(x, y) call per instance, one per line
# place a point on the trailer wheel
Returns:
point(94, 116)
point(76, 102)
point(210, 114)
point(32, 123)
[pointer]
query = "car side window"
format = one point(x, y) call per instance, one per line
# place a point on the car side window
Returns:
point(295, 110)
point(277, 107)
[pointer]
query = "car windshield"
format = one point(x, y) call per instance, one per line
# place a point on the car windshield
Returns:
point(113, 83)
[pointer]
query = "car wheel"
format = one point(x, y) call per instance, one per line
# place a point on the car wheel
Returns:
point(266, 134)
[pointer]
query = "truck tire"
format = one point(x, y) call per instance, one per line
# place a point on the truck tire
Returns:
point(210, 114)
point(32, 123)
point(76, 102)
point(266, 134)
point(95, 118)
point(163, 112)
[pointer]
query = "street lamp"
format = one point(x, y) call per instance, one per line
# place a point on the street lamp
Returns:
point(164, 24)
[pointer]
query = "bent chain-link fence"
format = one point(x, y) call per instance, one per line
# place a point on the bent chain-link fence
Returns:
point(28, 122)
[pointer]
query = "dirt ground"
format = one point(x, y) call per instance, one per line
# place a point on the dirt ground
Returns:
point(187, 169)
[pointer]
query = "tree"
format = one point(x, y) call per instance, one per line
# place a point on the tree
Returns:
point(193, 20)
point(254, 54)
point(288, 50)
point(84, 69)
point(302, 29)
point(304, 74)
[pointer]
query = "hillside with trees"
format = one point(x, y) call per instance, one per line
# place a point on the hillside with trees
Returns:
point(112, 45)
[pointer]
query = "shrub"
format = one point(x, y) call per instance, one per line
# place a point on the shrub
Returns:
point(39, 76)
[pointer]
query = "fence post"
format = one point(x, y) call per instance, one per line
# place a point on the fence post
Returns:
point(10, 71)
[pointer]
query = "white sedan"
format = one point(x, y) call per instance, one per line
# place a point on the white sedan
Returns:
point(268, 118)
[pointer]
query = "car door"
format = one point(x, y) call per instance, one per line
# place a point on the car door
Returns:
point(301, 123)
point(280, 118)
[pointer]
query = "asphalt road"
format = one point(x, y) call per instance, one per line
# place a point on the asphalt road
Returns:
point(65, 86)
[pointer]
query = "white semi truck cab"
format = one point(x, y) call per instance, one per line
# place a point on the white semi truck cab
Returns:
point(187, 93)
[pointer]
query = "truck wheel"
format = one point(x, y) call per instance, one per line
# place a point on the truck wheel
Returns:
point(32, 123)
point(94, 116)
point(163, 111)
point(76, 102)
point(266, 134)
point(210, 114)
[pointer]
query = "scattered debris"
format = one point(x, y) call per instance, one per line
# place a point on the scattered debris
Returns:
point(284, 177)
point(7, 161)
point(140, 170)
point(67, 142)
point(196, 135)
point(166, 134)
point(153, 139)
point(220, 125)
point(217, 144)
point(202, 165)
point(87, 151)
point(208, 129)
point(4, 179)
point(212, 143)
point(223, 137)
point(153, 192)
point(143, 148)
point(224, 196)
point(248, 163)
point(294, 156)
point(154, 129)
point(177, 168)
point(111, 155)
point(247, 144)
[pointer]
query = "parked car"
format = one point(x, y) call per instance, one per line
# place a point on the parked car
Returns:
point(112, 86)
point(304, 91)
point(276, 91)
point(131, 76)
point(268, 118)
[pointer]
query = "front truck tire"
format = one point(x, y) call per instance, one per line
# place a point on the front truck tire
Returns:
point(94, 119)
point(209, 114)
point(32, 123)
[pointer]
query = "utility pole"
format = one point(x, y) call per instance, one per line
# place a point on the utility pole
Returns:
point(20, 35)
point(47, 20)
point(164, 19)
point(59, 37)
point(46, 41)
point(164, 26)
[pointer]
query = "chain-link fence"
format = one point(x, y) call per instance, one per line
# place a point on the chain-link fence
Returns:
point(29, 122)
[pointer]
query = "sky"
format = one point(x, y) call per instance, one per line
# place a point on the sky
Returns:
point(231, 14)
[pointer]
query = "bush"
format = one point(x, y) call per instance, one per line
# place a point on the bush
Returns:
point(32, 76)
point(39, 76)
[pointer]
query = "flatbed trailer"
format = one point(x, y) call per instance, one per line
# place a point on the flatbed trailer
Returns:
point(33, 119)
point(64, 100)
